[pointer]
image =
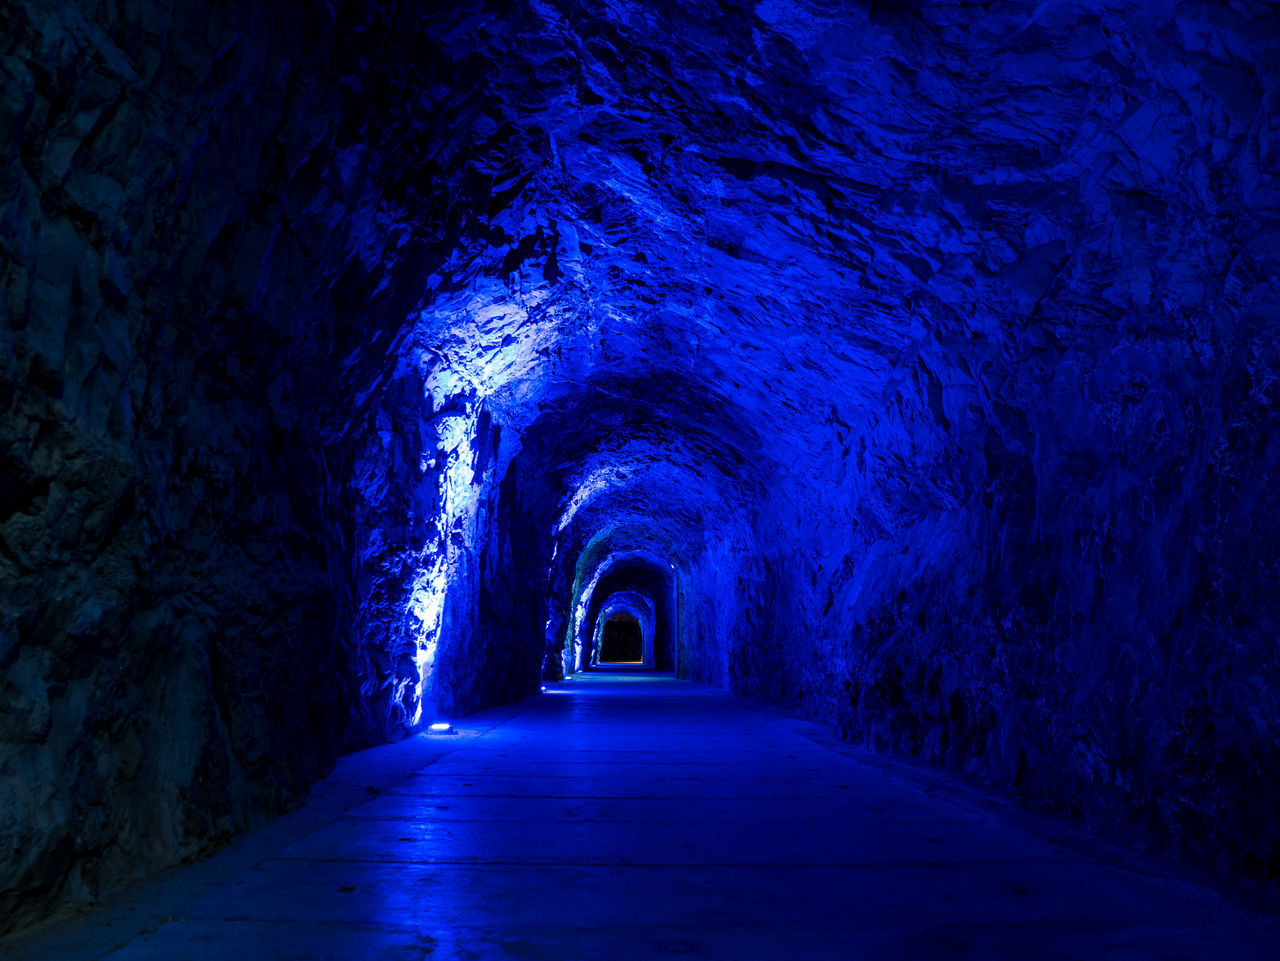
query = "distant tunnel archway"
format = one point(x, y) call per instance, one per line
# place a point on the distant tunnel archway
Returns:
point(623, 633)
point(640, 586)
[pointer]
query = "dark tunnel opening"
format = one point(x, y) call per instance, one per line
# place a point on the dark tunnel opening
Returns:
point(622, 641)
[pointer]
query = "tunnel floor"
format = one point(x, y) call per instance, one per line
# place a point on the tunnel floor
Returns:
point(643, 817)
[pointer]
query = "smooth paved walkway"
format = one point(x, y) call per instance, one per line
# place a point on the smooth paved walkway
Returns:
point(619, 818)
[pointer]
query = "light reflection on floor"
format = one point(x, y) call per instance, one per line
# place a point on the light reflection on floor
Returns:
point(637, 816)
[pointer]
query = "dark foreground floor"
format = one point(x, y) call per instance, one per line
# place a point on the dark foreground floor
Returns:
point(622, 817)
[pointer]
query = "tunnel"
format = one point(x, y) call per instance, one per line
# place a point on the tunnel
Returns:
point(624, 631)
point(909, 370)
point(638, 590)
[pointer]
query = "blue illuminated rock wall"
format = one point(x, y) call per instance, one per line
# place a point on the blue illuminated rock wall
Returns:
point(200, 554)
point(933, 351)
point(959, 341)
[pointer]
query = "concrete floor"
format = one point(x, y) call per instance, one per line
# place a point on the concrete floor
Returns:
point(620, 817)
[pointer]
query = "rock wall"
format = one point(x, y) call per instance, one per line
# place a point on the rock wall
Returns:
point(1051, 562)
point(194, 355)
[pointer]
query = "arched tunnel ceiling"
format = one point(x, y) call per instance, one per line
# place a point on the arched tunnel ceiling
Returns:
point(648, 205)
point(822, 215)
point(653, 276)
point(658, 451)
point(788, 202)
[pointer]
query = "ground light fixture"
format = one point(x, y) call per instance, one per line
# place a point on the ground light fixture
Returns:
point(440, 727)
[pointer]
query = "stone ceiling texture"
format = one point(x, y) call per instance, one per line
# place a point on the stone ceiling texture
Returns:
point(925, 352)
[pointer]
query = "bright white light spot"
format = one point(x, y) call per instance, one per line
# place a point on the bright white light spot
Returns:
point(440, 727)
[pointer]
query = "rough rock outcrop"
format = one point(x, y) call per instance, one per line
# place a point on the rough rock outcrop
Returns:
point(191, 257)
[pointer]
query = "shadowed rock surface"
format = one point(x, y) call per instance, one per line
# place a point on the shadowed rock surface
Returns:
point(922, 359)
